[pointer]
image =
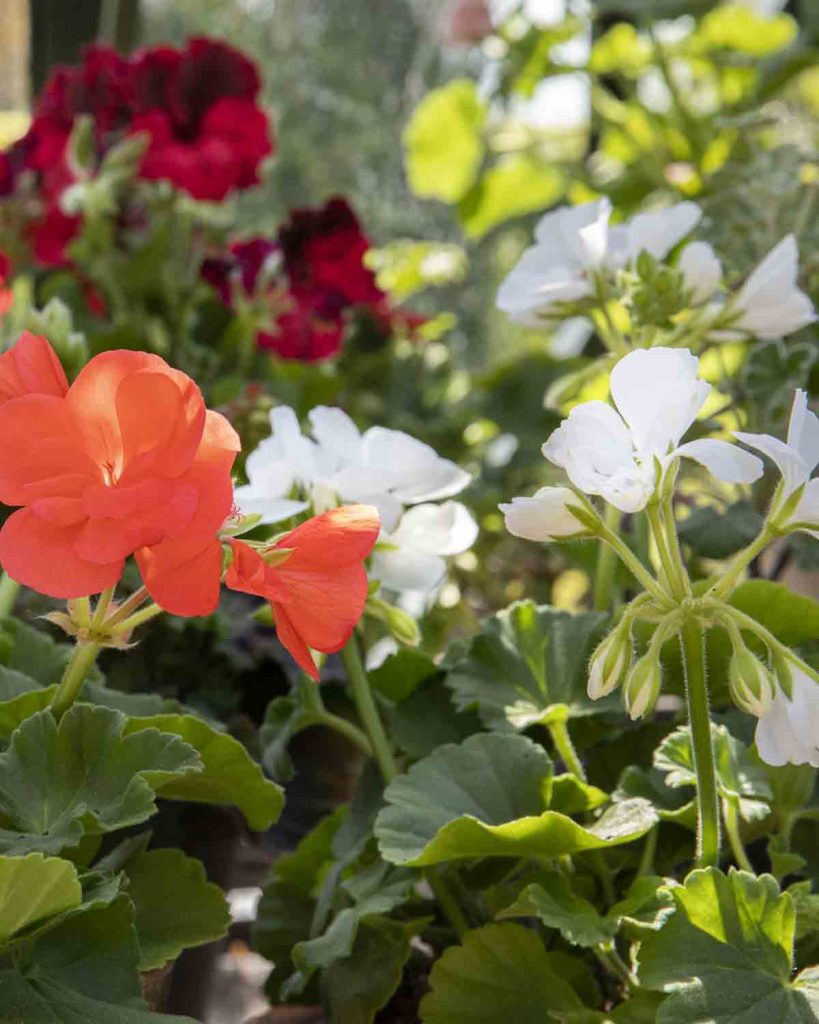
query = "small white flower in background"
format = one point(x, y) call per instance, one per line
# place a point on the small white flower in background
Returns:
point(412, 557)
point(543, 517)
point(612, 452)
point(796, 459)
point(788, 731)
point(573, 243)
point(385, 468)
point(770, 303)
point(701, 271)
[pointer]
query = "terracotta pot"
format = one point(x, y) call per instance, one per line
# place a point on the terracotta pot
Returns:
point(155, 986)
point(468, 22)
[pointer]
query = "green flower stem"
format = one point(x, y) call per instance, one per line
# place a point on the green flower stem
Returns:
point(103, 604)
point(614, 963)
point(730, 816)
point(128, 606)
point(563, 745)
point(9, 589)
point(646, 865)
point(81, 663)
point(310, 693)
point(673, 542)
point(635, 566)
point(137, 619)
point(447, 901)
point(367, 710)
point(771, 642)
point(692, 643)
point(670, 560)
point(723, 587)
point(606, 563)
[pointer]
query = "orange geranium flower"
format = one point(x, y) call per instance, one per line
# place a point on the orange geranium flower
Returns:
point(31, 367)
point(314, 579)
point(126, 458)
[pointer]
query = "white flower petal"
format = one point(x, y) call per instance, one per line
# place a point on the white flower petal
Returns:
point(336, 433)
point(570, 337)
point(271, 510)
point(726, 461)
point(407, 570)
point(543, 517)
point(791, 465)
point(788, 732)
point(447, 529)
point(807, 511)
point(803, 431)
point(772, 305)
point(412, 470)
point(701, 271)
point(541, 278)
point(379, 652)
point(658, 394)
point(657, 232)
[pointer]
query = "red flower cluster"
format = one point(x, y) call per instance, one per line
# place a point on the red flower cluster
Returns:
point(199, 107)
point(317, 278)
point(96, 480)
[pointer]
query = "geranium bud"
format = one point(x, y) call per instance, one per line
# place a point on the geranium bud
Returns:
point(609, 662)
point(401, 624)
point(749, 681)
point(643, 685)
point(783, 676)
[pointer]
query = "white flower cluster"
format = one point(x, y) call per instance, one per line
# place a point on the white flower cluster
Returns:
point(576, 248)
point(620, 453)
point(404, 478)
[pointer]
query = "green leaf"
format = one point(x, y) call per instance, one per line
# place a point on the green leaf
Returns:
point(500, 973)
point(33, 888)
point(553, 902)
point(741, 776)
point(402, 673)
point(35, 653)
point(715, 534)
point(792, 618)
point(487, 797)
point(443, 142)
point(528, 665)
point(229, 775)
point(405, 266)
point(356, 987)
point(85, 775)
point(427, 720)
point(773, 370)
point(285, 913)
point(650, 785)
point(725, 954)
point(284, 718)
point(83, 970)
point(175, 906)
point(517, 185)
point(736, 27)
point(622, 50)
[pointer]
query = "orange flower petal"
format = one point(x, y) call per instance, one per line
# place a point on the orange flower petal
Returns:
point(339, 537)
point(31, 366)
point(183, 576)
point(42, 555)
point(291, 640)
point(324, 607)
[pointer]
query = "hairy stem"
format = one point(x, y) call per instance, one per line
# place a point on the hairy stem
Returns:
point(730, 815)
point(81, 663)
point(566, 749)
point(367, 709)
point(447, 901)
point(606, 564)
point(692, 643)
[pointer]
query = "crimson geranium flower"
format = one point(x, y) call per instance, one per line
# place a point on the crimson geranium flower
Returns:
point(322, 279)
point(207, 134)
point(125, 458)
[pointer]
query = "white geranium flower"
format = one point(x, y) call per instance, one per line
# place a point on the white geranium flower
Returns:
point(573, 243)
point(796, 459)
point(545, 516)
point(385, 468)
point(788, 731)
point(412, 557)
point(770, 303)
point(612, 452)
point(701, 271)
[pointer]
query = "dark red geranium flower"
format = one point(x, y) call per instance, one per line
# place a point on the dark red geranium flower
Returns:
point(322, 279)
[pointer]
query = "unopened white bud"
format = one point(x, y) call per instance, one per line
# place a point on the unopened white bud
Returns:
point(643, 685)
point(609, 663)
point(750, 682)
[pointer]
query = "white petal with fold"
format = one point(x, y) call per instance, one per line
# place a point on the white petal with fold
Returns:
point(543, 517)
point(727, 462)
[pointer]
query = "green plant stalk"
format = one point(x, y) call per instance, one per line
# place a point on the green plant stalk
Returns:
point(606, 563)
point(447, 901)
point(671, 566)
point(723, 587)
point(103, 604)
point(646, 864)
point(9, 589)
point(635, 566)
point(367, 710)
point(309, 689)
point(137, 619)
point(673, 543)
point(559, 732)
point(692, 644)
point(730, 815)
point(82, 661)
point(128, 606)
point(614, 963)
